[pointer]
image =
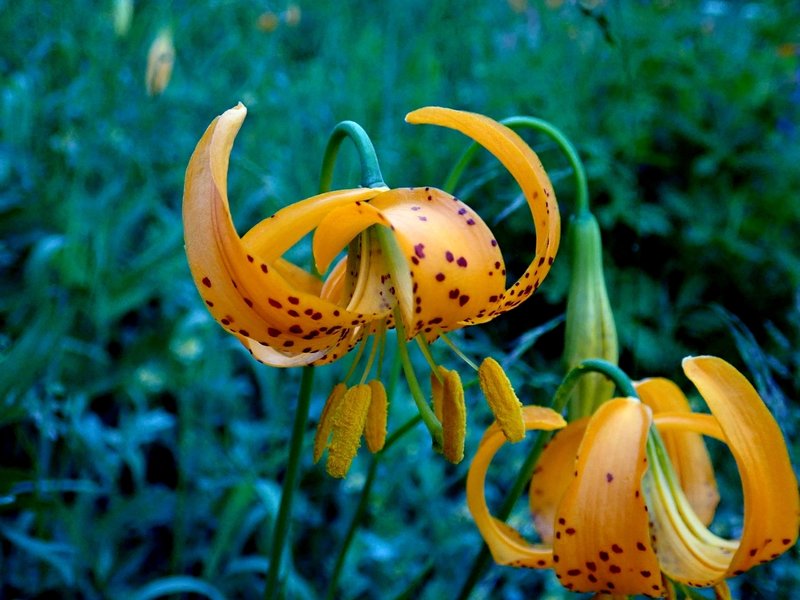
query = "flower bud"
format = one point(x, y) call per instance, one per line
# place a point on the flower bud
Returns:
point(160, 59)
point(590, 329)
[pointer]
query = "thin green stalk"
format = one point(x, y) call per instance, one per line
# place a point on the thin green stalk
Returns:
point(280, 532)
point(581, 186)
point(370, 170)
point(558, 403)
point(430, 420)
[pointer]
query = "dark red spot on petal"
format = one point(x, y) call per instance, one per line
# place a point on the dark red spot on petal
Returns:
point(206, 282)
point(274, 303)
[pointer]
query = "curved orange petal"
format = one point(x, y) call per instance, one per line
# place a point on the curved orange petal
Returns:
point(273, 236)
point(506, 544)
point(526, 168)
point(769, 485)
point(552, 475)
point(246, 296)
point(686, 449)
point(602, 538)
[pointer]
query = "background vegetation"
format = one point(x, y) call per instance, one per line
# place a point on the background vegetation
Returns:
point(142, 451)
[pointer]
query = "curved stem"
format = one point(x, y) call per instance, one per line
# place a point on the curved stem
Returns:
point(581, 185)
point(370, 170)
point(281, 529)
point(593, 365)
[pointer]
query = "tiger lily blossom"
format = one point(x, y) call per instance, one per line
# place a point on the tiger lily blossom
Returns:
point(622, 500)
point(416, 259)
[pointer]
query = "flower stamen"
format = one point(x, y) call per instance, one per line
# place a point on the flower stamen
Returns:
point(502, 399)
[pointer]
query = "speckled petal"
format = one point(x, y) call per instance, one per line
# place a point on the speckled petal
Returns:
point(507, 546)
point(527, 170)
point(455, 267)
point(769, 485)
point(551, 476)
point(246, 296)
point(602, 538)
point(687, 450)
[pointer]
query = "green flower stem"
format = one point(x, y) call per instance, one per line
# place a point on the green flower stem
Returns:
point(430, 420)
point(593, 365)
point(581, 186)
point(370, 170)
point(558, 403)
point(280, 532)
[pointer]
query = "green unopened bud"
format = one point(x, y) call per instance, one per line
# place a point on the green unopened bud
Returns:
point(591, 332)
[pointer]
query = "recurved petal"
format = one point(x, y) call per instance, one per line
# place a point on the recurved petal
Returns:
point(273, 236)
point(526, 168)
point(602, 538)
point(771, 503)
point(506, 544)
point(553, 473)
point(687, 450)
point(245, 295)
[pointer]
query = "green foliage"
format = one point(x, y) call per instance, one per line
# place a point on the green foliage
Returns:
point(142, 452)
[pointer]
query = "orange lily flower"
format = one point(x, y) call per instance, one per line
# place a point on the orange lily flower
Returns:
point(416, 259)
point(418, 251)
point(623, 507)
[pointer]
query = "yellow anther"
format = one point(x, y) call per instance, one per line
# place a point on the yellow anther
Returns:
point(454, 416)
point(437, 389)
point(502, 399)
point(375, 429)
point(348, 425)
point(326, 420)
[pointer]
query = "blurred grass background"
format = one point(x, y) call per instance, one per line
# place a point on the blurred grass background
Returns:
point(142, 451)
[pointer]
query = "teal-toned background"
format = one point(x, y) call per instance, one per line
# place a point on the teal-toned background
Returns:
point(142, 451)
